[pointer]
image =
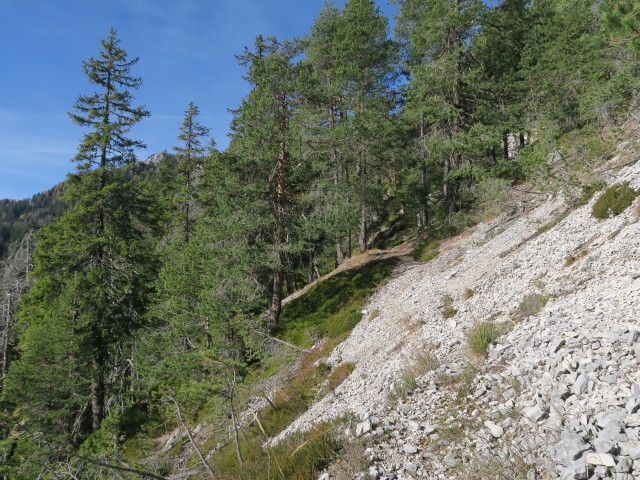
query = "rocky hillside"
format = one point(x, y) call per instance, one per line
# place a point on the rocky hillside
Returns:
point(558, 393)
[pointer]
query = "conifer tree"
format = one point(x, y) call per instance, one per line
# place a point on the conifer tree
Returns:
point(261, 141)
point(366, 61)
point(436, 36)
point(92, 266)
point(190, 156)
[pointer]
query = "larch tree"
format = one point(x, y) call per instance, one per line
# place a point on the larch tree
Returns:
point(92, 266)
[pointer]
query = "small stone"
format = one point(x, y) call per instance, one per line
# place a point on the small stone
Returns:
point(496, 431)
point(413, 426)
point(410, 449)
point(450, 461)
point(581, 384)
point(411, 467)
point(537, 413)
point(570, 447)
point(362, 428)
point(624, 465)
point(324, 476)
point(576, 471)
point(600, 459)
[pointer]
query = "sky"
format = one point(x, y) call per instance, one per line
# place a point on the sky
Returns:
point(186, 50)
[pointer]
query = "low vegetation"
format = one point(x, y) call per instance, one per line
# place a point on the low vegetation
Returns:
point(530, 305)
point(589, 190)
point(425, 250)
point(482, 335)
point(615, 200)
point(448, 310)
point(332, 307)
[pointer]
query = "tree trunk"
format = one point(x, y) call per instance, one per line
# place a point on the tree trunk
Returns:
point(362, 233)
point(5, 339)
point(278, 274)
point(97, 393)
point(424, 197)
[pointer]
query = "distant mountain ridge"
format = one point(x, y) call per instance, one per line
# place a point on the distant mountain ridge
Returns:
point(17, 217)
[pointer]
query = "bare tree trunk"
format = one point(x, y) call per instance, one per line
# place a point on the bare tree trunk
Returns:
point(232, 386)
point(362, 232)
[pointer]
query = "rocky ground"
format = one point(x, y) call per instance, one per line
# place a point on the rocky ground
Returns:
point(558, 395)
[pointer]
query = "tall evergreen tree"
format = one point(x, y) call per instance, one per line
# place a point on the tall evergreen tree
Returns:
point(92, 266)
point(190, 155)
point(436, 35)
point(366, 69)
point(262, 137)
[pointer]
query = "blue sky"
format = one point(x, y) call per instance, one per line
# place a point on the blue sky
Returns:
point(186, 50)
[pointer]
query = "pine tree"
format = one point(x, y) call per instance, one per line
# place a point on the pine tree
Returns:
point(622, 18)
point(366, 68)
point(436, 35)
point(262, 145)
point(92, 266)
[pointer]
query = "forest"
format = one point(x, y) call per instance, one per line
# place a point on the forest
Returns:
point(154, 299)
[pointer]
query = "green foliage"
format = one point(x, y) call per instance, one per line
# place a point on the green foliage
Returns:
point(425, 250)
point(299, 457)
point(615, 200)
point(481, 336)
point(333, 306)
point(622, 19)
point(530, 305)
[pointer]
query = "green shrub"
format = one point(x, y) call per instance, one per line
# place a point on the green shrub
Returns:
point(530, 305)
point(468, 293)
point(481, 335)
point(614, 201)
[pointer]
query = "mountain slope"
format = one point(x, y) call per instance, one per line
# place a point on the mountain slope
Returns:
point(563, 373)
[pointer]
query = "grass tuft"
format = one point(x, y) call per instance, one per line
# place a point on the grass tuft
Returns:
point(481, 336)
point(530, 305)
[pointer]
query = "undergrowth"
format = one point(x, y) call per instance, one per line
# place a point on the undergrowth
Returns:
point(482, 335)
point(614, 201)
point(333, 306)
point(425, 250)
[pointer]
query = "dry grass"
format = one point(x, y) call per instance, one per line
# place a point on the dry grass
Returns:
point(530, 305)
point(507, 462)
point(339, 374)
point(351, 461)
point(447, 310)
